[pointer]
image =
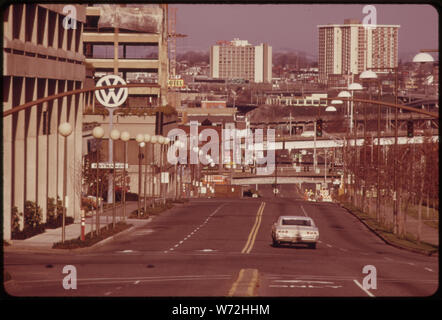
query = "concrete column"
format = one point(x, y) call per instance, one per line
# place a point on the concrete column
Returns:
point(52, 152)
point(19, 168)
point(31, 142)
point(62, 117)
point(70, 174)
point(7, 161)
point(42, 158)
point(78, 138)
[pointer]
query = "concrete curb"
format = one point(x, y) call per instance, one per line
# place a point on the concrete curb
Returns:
point(109, 239)
point(424, 252)
point(33, 249)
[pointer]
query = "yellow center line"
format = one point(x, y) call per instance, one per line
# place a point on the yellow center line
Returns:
point(246, 284)
point(252, 236)
point(235, 285)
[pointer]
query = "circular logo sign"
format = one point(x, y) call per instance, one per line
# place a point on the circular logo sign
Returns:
point(114, 97)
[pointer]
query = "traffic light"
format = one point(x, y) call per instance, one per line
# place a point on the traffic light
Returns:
point(410, 131)
point(319, 128)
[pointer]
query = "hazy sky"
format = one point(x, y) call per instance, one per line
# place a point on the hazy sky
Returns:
point(294, 26)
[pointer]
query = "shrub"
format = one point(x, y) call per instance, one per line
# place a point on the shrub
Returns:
point(32, 222)
point(55, 215)
point(15, 220)
point(32, 215)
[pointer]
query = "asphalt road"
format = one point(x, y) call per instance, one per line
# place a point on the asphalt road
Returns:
point(217, 247)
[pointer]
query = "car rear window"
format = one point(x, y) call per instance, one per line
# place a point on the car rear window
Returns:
point(296, 222)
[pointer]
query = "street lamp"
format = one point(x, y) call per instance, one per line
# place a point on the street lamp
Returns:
point(153, 141)
point(65, 129)
point(125, 137)
point(369, 76)
point(353, 87)
point(164, 141)
point(114, 135)
point(146, 141)
point(98, 133)
point(140, 140)
point(422, 58)
point(331, 108)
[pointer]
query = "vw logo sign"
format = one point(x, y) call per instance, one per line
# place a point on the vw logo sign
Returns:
point(114, 97)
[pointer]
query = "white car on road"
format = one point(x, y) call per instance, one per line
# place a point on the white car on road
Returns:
point(294, 230)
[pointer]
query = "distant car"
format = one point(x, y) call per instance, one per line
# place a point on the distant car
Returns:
point(294, 230)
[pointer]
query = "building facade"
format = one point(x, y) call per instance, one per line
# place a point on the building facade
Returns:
point(238, 59)
point(351, 48)
point(43, 56)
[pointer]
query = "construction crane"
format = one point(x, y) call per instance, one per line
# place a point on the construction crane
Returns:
point(172, 40)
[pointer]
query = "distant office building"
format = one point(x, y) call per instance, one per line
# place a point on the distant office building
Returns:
point(238, 59)
point(350, 48)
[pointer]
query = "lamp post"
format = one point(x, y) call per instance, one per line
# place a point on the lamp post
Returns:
point(98, 133)
point(153, 141)
point(65, 129)
point(422, 58)
point(125, 137)
point(114, 135)
point(161, 142)
point(146, 141)
point(140, 140)
point(353, 87)
point(345, 94)
point(166, 145)
point(369, 75)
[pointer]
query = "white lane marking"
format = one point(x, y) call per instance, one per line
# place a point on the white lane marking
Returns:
point(365, 290)
point(137, 282)
point(342, 249)
point(329, 245)
point(388, 259)
point(411, 263)
point(305, 213)
point(108, 293)
point(307, 281)
point(428, 269)
point(197, 228)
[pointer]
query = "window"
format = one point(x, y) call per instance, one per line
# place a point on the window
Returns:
point(141, 51)
point(17, 16)
point(104, 51)
point(296, 222)
point(29, 21)
point(51, 27)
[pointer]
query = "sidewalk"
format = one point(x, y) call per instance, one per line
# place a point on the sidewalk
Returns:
point(43, 242)
point(428, 234)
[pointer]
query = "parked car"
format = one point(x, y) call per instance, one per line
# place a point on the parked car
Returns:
point(294, 230)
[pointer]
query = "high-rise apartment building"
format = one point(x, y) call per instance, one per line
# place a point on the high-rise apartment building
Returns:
point(238, 59)
point(351, 48)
